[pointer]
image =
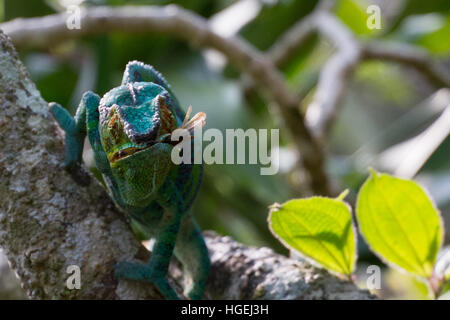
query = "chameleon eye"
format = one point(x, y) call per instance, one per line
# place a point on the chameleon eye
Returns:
point(113, 121)
point(168, 122)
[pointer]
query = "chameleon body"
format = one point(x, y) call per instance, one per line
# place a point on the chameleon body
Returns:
point(128, 129)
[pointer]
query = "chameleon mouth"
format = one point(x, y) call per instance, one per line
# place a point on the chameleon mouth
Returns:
point(127, 152)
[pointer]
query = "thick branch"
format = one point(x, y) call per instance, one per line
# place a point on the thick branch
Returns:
point(241, 272)
point(42, 32)
point(48, 222)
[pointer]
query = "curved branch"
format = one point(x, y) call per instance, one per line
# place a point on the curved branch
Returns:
point(296, 36)
point(338, 70)
point(48, 30)
point(45, 31)
point(288, 44)
point(409, 56)
point(335, 75)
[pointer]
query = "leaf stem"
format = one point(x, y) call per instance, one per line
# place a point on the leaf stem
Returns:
point(343, 194)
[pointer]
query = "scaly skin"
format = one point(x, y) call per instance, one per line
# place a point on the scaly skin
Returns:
point(128, 130)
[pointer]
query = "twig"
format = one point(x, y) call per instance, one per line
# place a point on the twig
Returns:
point(335, 75)
point(45, 31)
point(291, 41)
point(410, 56)
point(296, 36)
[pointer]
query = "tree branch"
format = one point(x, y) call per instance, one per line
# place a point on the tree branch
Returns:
point(338, 71)
point(49, 30)
point(288, 44)
point(409, 56)
point(295, 37)
point(48, 221)
point(335, 75)
point(241, 272)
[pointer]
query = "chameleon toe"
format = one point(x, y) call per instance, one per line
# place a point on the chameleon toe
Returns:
point(139, 272)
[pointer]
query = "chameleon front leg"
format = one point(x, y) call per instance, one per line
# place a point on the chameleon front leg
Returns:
point(156, 268)
point(75, 130)
point(86, 122)
point(91, 102)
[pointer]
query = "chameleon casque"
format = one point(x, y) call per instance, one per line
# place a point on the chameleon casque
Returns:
point(129, 130)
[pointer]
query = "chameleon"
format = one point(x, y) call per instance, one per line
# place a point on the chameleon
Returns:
point(129, 131)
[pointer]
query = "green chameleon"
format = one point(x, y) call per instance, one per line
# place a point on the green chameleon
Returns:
point(129, 130)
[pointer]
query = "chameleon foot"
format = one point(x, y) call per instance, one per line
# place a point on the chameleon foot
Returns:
point(140, 272)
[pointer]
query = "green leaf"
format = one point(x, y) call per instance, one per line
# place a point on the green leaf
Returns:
point(400, 223)
point(437, 41)
point(320, 229)
point(353, 14)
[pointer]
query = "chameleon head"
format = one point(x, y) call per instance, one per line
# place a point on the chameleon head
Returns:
point(135, 121)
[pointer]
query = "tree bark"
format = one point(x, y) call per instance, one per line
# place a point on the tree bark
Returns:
point(48, 221)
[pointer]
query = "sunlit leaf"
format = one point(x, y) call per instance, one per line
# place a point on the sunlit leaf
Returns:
point(353, 14)
point(320, 229)
point(437, 41)
point(400, 223)
point(404, 286)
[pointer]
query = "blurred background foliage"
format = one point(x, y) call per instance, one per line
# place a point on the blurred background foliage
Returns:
point(385, 106)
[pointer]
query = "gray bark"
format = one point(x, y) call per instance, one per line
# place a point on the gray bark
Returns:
point(49, 222)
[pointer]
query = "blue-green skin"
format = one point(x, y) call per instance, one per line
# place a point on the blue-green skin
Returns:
point(146, 185)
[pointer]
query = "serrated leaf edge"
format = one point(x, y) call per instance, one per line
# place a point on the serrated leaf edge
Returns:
point(309, 259)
